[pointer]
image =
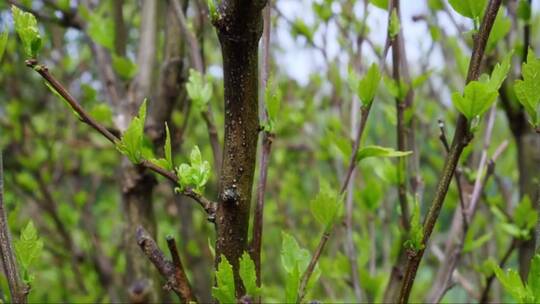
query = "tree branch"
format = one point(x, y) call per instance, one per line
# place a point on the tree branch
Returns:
point(173, 272)
point(209, 206)
point(461, 138)
point(17, 288)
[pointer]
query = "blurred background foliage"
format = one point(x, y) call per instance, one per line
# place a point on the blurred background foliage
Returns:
point(63, 176)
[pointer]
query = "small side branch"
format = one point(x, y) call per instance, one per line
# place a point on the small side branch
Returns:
point(209, 206)
point(172, 271)
point(17, 288)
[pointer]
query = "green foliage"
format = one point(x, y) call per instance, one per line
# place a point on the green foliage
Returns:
point(294, 260)
point(435, 5)
point(522, 292)
point(469, 8)
point(3, 43)
point(378, 151)
point(28, 248)
point(528, 89)
point(101, 30)
point(525, 216)
point(300, 28)
point(224, 289)
point(212, 9)
point(327, 206)
point(199, 89)
point(273, 99)
point(126, 68)
point(415, 238)
point(132, 142)
point(167, 162)
point(27, 29)
point(194, 175)
point(398, 89)
point(248, 275)
point(524, 10)
point(367, 87)
point(499, 73)
point(500, 29)
point(394, 26)
point(382, 4)
point(476, 99)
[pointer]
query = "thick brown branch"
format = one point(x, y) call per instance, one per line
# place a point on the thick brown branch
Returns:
point(173, 272)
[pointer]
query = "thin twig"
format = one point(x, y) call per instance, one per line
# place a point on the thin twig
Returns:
point(267, 138)
point(461, 138)
point(173, 272)
point(209, 206)
point(17, 288)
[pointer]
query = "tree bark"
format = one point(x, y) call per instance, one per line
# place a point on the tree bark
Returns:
point(239, 28)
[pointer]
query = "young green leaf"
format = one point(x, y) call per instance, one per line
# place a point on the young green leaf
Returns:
point(199, 89)
point(27, 29)
point(382, 4)
point(469, 8)
point(3, 43)
point(248, 275)
point(524, 10)
point(193, 175)
point(525, 217)
point(101, 30)
point(28, 248)
point(132, 142)
point(378, 151)
point(167, 162)
point(212, 9)
point(528, 89)
point(394, 26)
point(224, 291)
point(294, 260)
point(126, 68)
point(326, 206)
point(500, 29)
point(499, 73)
point(273, 99)
point(416, 233)
point(476, 99)
point(367, 87)
point(533, 279)
point(512, 283)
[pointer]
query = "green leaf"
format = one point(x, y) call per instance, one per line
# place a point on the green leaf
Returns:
point(499, 73)
point(193, 175)
point(101, 30)
point(124, 67)
point(525, 216)
point(27, 29)
point(500, 29)
point(167, 148)
point(367, 87)
point(248, 275)
point(528, 89)
point(476, 100)
point(524, 10)
point(132, 142)
point(224, 291)
point(102, 113)
point(294, 260)
point(3, 43)
point(512, 283)
point(28, 248)
point(199, 90)
point(469, 8)
point(471, 245)
point(326, 206)
point(533, 279)
point(382, 4)
point(416, 233)
point(212, 9)
point(394, 26)
point(378, 151)
point(435, 5)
